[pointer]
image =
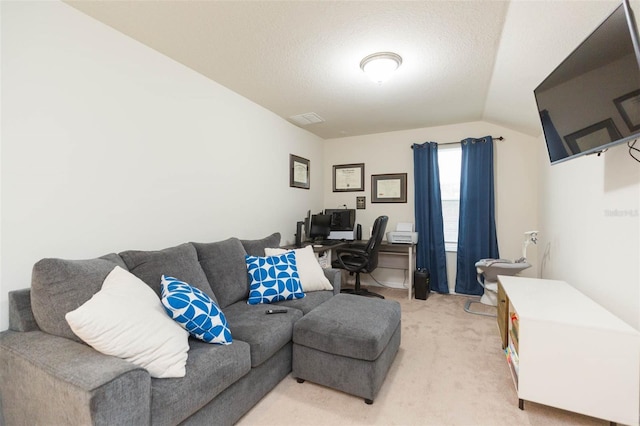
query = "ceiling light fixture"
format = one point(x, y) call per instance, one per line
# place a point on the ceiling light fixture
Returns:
point(379, 66)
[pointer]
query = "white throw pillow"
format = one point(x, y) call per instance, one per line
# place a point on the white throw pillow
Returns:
point(126, 319)
point(312, 277)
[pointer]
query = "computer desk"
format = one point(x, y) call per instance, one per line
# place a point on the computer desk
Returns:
point(397, 256)
point(324, 253)
point(318, 248)
point(391, 256)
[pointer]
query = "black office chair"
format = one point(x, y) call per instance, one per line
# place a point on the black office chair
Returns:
point(364, 259)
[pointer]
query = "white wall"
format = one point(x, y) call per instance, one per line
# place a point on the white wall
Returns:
point(515, 174)
point(590, 233)
point(590, 225)
point(108, 145)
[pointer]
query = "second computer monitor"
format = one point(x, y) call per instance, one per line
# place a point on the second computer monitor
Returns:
point(320, 226)
point(342, 219)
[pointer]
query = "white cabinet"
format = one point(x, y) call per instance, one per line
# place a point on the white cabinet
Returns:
point(568, 352)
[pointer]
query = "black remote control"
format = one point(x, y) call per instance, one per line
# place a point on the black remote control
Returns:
point(275, 311)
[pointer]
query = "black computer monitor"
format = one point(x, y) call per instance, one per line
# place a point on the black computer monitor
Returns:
point(307, 226)
point(342, 219)
point(320, 226)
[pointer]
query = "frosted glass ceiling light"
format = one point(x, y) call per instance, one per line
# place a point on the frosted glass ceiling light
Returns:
point(379, 66)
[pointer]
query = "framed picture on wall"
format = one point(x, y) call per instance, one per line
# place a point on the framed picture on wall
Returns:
point(348, 177)
point(389, 188)
point(298, 172)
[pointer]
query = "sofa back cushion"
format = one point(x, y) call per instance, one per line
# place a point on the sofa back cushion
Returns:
point(59, 286)
point(180, 262)
point(256, 247)
point(225, 268)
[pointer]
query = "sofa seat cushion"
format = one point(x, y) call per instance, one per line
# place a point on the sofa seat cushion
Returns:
point(309, 302)
point(210, 370)
point(180, 262)
point(59, 286)
point(265, 334)
point(224, 265)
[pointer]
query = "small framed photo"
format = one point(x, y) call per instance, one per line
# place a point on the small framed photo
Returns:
point(593, 136)
point(629, 109)
point(361, 202)
point(389, 188)
point(298, 172)
point(348, 177)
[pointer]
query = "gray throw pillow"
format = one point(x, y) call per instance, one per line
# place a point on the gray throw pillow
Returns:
point(226, 269)
point(256, 247)
point(180, 262)
point(59, 286)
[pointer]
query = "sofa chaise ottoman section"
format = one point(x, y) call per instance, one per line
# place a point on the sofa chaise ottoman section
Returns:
point(348, 343)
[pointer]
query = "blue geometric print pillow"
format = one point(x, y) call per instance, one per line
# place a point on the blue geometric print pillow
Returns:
point(194, 311)
point(273, 278)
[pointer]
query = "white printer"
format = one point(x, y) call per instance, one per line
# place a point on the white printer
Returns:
point(403, 234)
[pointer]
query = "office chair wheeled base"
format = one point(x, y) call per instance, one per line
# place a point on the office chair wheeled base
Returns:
point(361, 292)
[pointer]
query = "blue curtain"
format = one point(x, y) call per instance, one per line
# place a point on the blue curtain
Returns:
point(430, 253)
point(477, 225)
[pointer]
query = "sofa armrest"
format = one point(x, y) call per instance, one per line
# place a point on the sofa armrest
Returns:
point(335, 278)
point(46, 379)
point(20, 315)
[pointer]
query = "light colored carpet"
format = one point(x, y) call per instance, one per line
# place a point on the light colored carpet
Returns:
point(449, 370)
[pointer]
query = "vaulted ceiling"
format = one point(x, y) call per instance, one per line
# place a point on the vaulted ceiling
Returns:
point(462, 60)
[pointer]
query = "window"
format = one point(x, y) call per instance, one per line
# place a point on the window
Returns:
point(449, 161)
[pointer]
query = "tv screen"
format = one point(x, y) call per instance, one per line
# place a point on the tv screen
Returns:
point(591, 101)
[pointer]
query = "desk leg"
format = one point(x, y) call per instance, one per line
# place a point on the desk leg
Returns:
point(410, 272)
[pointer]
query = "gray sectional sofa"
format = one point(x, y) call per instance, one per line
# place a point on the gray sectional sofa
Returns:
point(49, 376)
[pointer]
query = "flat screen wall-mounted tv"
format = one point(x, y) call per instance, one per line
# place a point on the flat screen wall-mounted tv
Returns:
point(591, 101)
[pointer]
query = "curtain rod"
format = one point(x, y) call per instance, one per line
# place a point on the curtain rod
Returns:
point(499, 138)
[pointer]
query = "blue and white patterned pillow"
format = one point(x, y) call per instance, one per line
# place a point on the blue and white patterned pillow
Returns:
point(273, 278)
point(194, 311)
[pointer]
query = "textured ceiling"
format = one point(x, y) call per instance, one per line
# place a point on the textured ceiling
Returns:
point(462, 60)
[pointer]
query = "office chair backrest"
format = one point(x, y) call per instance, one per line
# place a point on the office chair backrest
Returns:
point(373, 246)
